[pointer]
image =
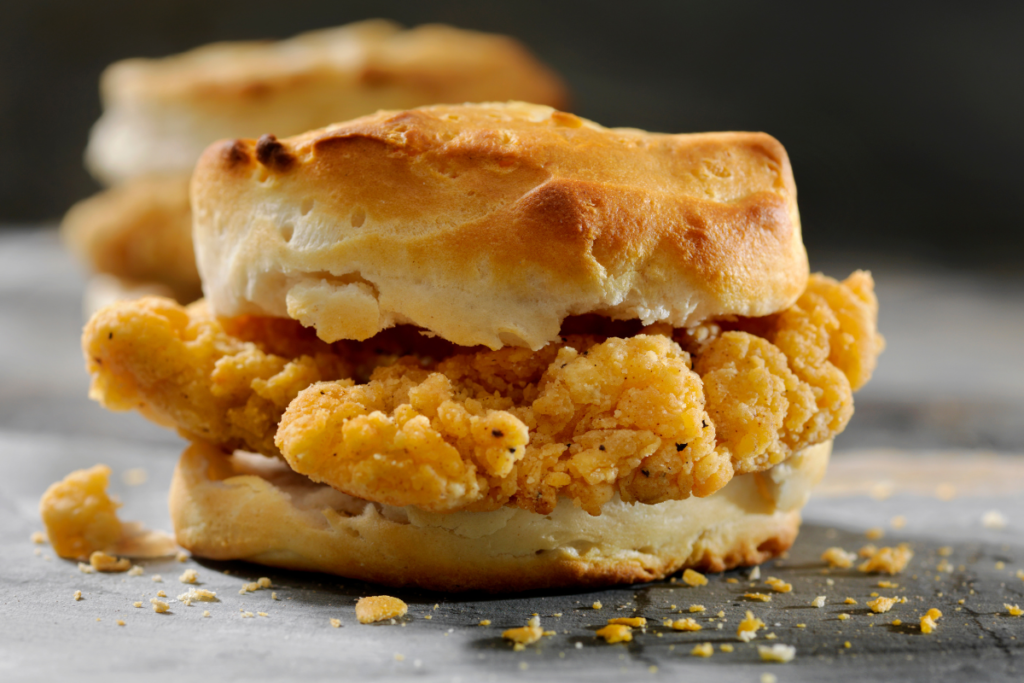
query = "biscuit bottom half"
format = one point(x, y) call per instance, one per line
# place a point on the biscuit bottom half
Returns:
point(250, 507)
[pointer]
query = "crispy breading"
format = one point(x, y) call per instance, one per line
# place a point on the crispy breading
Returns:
point(80, 517)
point(180, 367)
point(452, 428)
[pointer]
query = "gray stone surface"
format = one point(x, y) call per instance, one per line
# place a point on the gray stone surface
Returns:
point(948, 388)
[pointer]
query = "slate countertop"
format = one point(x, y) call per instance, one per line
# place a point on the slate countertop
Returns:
point(937, 443)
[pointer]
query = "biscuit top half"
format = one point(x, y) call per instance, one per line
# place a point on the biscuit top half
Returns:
point(490, 224)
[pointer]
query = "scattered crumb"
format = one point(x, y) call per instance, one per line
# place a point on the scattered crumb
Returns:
point(161, 594)
point(248, 615)
point(726, 647)
point(197, 595)
point(189, 576)
point(867, 550)
point(135, 571)
point(777, 653)
point(771, 636)
point(945, 551)
point(336, 623)
point(635, 622)
point(613, 633)
point(837, 557)
point(778, 585)
point(428, 617)
point(263, 582)
point(102, 562)
point(38, 537)
point(1000, 566)
point(882, 490)
point(945, 492)
point(888, 560)
point(929, 619)
point(120, 623)
point(159, 606)
point(843, 617)
point(157, 578)
point(696, 608)
point(732, 580)
point(761, 597)
point(755, 574)
point(273, 595)
point(944, 566)
point(960, 601)
point(687, 624)
point(702, 650)
point(78, 514)
point(532, 621)
point(557, 614)
point(875, 533)
point(262, 614)
point(847, 645)
point(768, 678)
point(887, 584)
point(721, 615)
point(653, 669)
point(206, 613)
point(1020, 574)
point(897, 622)
point(830, 582)
point(378, 608)
point(748, 628)
point(898, 522)
point(137, 603)
point(84, 568)
point(134, 477)
point(849, 601)
point(692, 578)
point(78, 595)
point(801, 625)
point(993, 519)
point(597, 604)
point(485, 622)
point(1012, 610)
point(399, 657)
point(881, 605)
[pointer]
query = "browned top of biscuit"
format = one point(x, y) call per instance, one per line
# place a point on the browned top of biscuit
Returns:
point(488, 224)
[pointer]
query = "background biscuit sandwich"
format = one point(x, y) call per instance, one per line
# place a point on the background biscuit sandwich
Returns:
point(159, 115)
point(494, 347)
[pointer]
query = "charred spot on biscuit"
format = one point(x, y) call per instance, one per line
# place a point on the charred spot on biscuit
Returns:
point(272, 153)
point(235, 153)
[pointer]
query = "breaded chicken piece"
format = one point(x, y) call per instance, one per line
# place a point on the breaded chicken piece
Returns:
point(140, 231)
point(180, 368)
point(513, 427)
point(473, 429)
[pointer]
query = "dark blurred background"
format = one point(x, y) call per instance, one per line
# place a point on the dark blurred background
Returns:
point(905, 122)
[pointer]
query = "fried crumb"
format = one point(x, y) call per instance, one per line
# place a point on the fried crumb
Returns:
point(867, 550)
point(928, 620)
point(881, 605)
point(1012, 610)
point(379, 608)
point(837, 557)
point(721, 615)
point(847, 645)
point(747, 629)
point(726, 647)
point(120, 622)
point(768, 678)
point(137, 603)
point(248, 615)
point(532, 621)
point(427, 617)
point(157, 578)
point(263, 582)
point(181, 556)
point(776, 653)
point(778, 585)
point(634, 622)
point(830, 582)
point(206, 613)
point(696, 608)
point(760, 597)
point(136, 570)
point(702, 650)
point(336, 623)
point(484, 622)
point(898, 522)
point(687, 624)
point(262, 614)
point(79, 516)
point(887, 584)
point(273, 595)
point(524, 635)
point(888, 560)
point(159, 606)
point(102, 562)
point(944, 551)
point(843, 617)
point(38, 537)
point(897, 622)
point(197, 595)
point(85, 568)
point(945, 566)
point(770, 636)
point(849, 601)
point(875, 533)
point(993, 519)
point(755, 574)
point(1000, 565)
point(732, 580)
point(801, 625)
point(692, 578)
point(189, 576)
point(616, 633)
point(78, 595)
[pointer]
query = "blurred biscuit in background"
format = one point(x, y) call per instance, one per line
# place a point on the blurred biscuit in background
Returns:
point(159, 115)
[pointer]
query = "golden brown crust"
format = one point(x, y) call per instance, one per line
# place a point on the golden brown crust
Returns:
point(161, 113)
point(232, 509)
point(140, 231)
point(489, 224)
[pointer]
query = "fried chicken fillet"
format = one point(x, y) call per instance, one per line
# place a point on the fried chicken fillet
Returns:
point(628, 401)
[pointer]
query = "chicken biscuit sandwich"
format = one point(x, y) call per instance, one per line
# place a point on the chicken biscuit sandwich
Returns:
point(494, 347)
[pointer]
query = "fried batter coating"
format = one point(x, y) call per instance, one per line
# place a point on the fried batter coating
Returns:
point(179, 367)
point(661, 415)
point(482, 430)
